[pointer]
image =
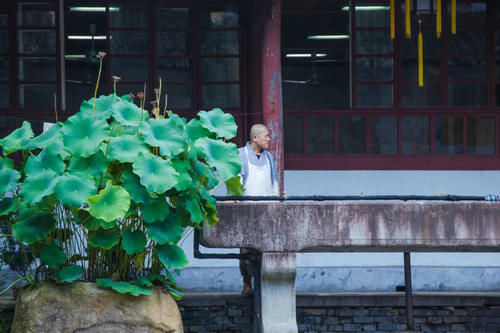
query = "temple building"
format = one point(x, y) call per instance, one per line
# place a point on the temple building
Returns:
point(362, 97)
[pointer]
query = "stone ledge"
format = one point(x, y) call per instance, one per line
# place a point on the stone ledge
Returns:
point(344, 226)
point(420, 299)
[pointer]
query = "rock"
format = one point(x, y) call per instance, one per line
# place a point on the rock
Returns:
point(82, 307)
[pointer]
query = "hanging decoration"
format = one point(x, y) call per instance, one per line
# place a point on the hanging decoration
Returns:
point(393, 30)
point(454, 17)
point(423, 7)
point(438, 19)
point(420, 55)
point(407, 18)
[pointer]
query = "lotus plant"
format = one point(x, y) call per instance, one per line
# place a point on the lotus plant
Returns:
point(106, 195)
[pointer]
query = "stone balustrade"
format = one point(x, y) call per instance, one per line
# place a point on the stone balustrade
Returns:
point(279, 229)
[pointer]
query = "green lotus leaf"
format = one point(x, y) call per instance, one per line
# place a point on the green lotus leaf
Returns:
point(144, 282)
point(185, 179)
point(219, 122)
point(205, 174)
point(176, 294)
point(57, 148)
point(195, 130)
point(171, 256)
point(7, 206)
point(53, 134)
point(224, 156)
point(193, 207)
point(211, 218)
point(17, 140)
point(207, 198)
point(234, 186)
point(73, 190)
point(168, 231)
point(91, 223)
point(33, 226)
point(82, 135)
point(155, 173)
point(69, 274)
point(155, 210)
point(209, 204)
point(123, 287)
point(8, 180)
point(38, 186)
point(104, 239)
point(111, 203)
point(179, 121)
point(133, 241)
point(126, 148)
point(44, 161)
point(90, 167)
point(52, 256)
point(103, 107)
point(6, 163)
point(129, 114)
point(164, 133)
point(156, 278)
point(131, 183)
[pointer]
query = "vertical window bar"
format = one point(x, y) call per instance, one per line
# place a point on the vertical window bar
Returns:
point(400, 134)
point(61, 61)
point(490, 53)
point(108, 47)
point(351, 58)
point(336, 134)
point(431, 134)
point(497, 128)
point(304, 134)
point(368, 131)
point(464, 135)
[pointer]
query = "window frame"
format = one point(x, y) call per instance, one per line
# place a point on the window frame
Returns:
point(400, 161)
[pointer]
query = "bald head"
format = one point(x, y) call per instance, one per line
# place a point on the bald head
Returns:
point(257, 129)
point(259, 137)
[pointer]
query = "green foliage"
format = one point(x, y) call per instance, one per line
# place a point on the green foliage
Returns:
point(17, 140)
point(133, 242)
point(123, 287)
point(53, 256)
point(110, 204)
point(106, 195)
point(69, 274)
point(33, 225)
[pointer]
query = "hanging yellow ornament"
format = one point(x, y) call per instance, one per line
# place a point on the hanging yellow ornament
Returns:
point(420, 55)
point(393, 30)
point(407, 18)
point(454, 17)
point(438, 18)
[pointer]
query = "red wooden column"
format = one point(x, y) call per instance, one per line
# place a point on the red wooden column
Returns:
point(272, 106)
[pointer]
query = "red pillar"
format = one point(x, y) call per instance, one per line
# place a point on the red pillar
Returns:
point(272, 106)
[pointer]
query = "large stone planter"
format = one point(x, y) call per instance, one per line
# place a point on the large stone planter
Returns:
point(83, 307)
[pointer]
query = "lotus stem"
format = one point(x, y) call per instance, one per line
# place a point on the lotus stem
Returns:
point(5, 235)
point(97, 85)
point(165, 108)
point(12, 284)
point(158, 96)
point(201, 182)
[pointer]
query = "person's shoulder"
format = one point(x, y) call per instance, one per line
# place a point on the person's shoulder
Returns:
point(267, 152)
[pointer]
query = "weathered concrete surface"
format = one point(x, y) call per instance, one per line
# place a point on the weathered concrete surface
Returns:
point(357, 226)
point(83, 307)
point(277, 293)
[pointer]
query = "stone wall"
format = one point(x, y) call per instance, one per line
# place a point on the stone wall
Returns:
point(362, 312)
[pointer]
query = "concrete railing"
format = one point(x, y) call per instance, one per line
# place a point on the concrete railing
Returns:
point(278, 230)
